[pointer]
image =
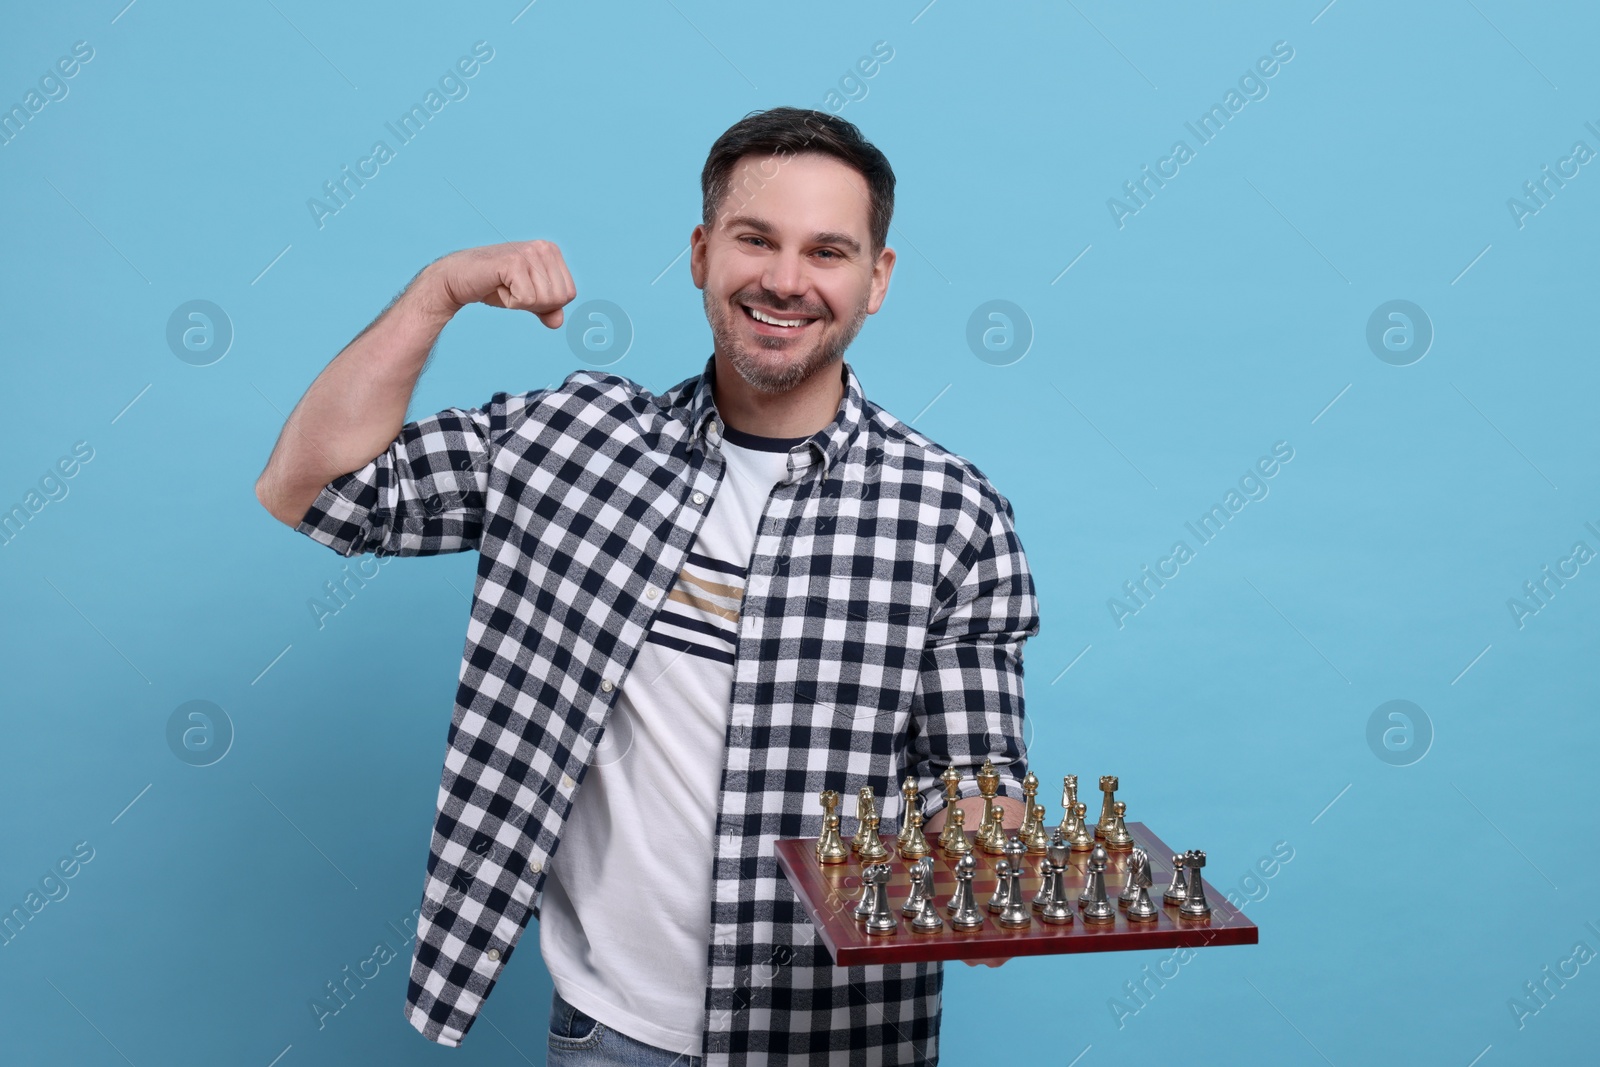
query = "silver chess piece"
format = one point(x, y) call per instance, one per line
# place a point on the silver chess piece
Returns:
point(1047, 881)
point(863, 908)
point(882, 920)
point(964, 913)
point(1002, 886)
point(1138, 875)
point(1015, 915)
point(1179, 888)
point(1143, 909)
point(1057, 911)
point(927, 920)
point(1098, 909)
point(921, 873)
point(1195, 906)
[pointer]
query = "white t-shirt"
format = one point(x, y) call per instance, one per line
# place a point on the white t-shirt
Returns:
point(625, 922)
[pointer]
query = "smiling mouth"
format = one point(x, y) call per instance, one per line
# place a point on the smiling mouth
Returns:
point(776, 322)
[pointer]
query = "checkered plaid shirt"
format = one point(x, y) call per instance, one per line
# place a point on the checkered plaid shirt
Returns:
point(881, 633)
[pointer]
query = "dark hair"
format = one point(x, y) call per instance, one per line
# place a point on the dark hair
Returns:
point(792, 130)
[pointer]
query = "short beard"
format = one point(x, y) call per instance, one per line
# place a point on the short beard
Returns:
point(759, 376)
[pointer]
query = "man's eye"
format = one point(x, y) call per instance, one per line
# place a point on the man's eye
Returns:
point(753, 239)
point(830, 253)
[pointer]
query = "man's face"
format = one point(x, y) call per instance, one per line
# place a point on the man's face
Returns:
point(791, 242)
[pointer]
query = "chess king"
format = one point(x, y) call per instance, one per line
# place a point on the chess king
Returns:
point(771, 585)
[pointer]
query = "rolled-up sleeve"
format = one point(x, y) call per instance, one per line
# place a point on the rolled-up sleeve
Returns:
point(968, 706)
point(423, 495)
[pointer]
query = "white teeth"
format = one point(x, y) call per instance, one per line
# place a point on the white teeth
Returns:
point(769, 320)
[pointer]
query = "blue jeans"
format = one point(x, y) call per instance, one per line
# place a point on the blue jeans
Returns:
point(576, 1040)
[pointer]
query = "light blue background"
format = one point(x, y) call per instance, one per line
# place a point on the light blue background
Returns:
point(1228, 314)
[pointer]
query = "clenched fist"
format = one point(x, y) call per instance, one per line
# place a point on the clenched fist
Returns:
point(522, 275)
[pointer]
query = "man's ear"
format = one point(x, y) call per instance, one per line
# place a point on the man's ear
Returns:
point(882, 268)
point(697, 255)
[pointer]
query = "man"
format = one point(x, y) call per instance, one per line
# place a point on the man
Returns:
point(757, 585)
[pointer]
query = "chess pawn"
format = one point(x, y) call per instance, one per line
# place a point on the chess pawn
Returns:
point(1057, 911)
point(1015, 915)
point(1069, 805)
point(1117, 837)
point(1038, 844)
point(870, 848)
point(908, 789)
point(1178, 889)
point(882, 919)
point(953, 838)
point(863, 909)
point(1143, 909)
point(1002, 887)
point(1097, 908)
point(921, 873)
point(1195, 905)
point(1108, 789)
point(866, 808)
point(1047, 883)
point(1080, 840)
point(963, 909)
point(915, 845)
point(831, 848)
point(1138, 875)
point(1015, 850)
point(992, 833)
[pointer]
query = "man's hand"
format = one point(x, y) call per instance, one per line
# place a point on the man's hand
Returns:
point(521, 275)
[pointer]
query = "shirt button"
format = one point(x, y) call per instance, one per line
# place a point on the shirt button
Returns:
point(537, 868)
point(607, 685)
point(567, 782)
point(699, 498)
point(651, 592)
point(494, 955)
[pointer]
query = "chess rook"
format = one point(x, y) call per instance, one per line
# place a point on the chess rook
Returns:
point(1108, 790)
point(1195, 906)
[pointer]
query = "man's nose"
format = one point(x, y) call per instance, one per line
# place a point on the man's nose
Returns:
point(786, 274)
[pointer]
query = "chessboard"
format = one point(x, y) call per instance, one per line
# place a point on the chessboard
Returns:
point(829, 894)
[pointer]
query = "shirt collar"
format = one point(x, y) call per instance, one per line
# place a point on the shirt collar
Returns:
point(828, 444)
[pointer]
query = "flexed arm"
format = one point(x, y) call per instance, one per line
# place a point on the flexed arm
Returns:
point(356, 407)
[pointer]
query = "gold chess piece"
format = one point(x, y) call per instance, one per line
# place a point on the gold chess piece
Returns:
point(1030, 790)
point(868, 845)
point(1069, 804)
point(1117, 838)
point(952, 784)
point(1080, 840)
point(916, 844)
point(866, 806)
point(953, 839)
point(1108, 786)
point(831, 848)
point(991, 834)
point(992, 837)
point(1036, 840)
point(908, 789)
